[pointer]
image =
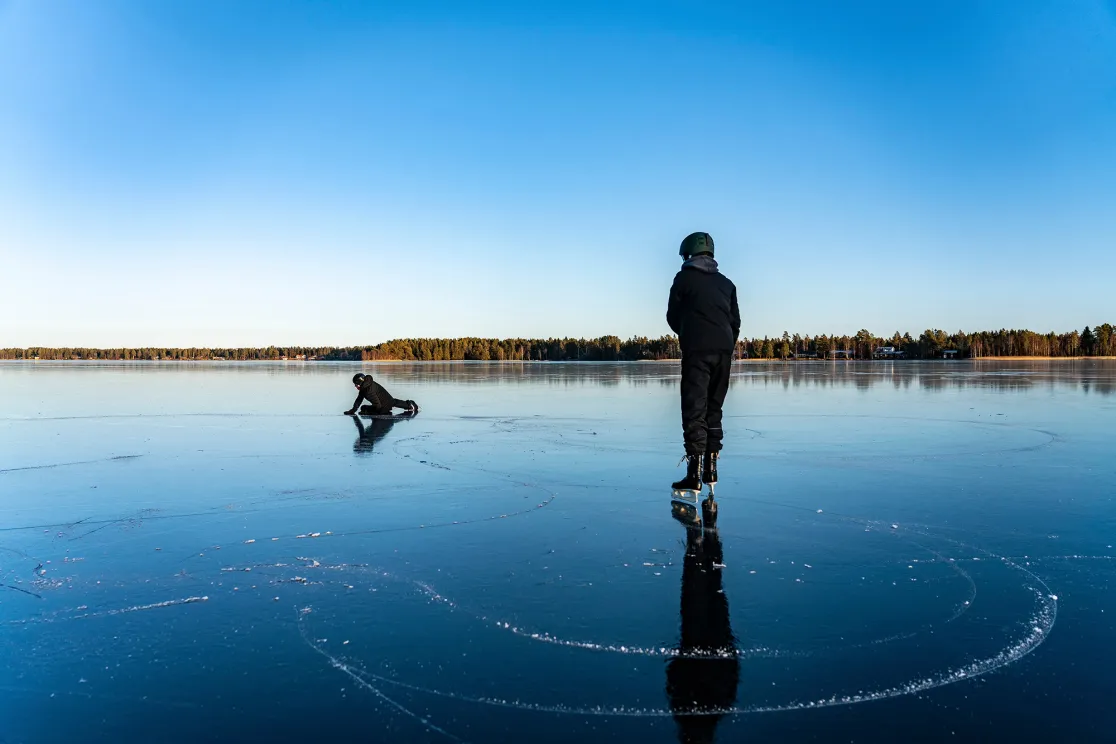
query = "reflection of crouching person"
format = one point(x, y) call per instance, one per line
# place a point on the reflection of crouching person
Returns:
point(379, 400)
point(369, 436)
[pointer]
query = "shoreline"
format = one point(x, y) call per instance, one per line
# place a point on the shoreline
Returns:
point(306, 362)
point(1038, 359)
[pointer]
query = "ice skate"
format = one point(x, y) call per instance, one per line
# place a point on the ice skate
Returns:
point(709, 469)
point(689, 487)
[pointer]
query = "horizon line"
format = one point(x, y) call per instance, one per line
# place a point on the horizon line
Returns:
point(743, 337)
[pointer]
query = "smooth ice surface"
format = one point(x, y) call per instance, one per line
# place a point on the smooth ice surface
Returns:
point(211, 552)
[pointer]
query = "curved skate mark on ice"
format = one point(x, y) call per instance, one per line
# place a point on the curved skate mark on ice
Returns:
point(428, 463)
point(68, 464)
point(1042, 623)
point(107, 613)
point(958, 611)
point(1010, 559)
point(662, 652)
point(352, 674)
point(1040, 558)
point(1040, 626)
point(1035, 630)
point(885, 527)
point(962, 608)
point(756, 652)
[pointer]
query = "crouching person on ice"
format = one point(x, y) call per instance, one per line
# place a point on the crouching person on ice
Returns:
point(380, 402)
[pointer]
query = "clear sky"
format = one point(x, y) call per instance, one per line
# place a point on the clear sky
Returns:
point(200, 172)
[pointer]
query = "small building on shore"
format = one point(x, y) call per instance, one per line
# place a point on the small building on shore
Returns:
point(889, 352)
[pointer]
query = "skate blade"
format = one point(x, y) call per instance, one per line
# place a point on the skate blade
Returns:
point(686, 496)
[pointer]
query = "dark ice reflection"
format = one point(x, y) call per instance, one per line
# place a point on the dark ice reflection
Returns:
point(705, 674)
point(368, 435)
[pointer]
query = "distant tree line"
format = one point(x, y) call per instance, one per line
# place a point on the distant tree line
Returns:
point(168, 354)
point(932, 343)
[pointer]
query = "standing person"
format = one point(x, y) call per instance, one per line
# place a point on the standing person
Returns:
point(704, 313)
point(379, 400)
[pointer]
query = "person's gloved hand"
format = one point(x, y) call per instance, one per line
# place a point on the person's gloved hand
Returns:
point(350, 412)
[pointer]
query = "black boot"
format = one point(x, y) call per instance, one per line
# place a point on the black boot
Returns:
point(709, 468)
point(692, 481)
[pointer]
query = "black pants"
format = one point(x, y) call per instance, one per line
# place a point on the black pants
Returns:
point(371, 409)
point(705, 381)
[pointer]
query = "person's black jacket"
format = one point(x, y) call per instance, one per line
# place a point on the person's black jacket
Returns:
point(702, 308)
point(373, 392)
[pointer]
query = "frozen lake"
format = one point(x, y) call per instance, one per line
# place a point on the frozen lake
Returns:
point(915, 552)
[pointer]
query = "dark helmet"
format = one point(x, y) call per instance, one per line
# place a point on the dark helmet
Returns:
point(696, 243)
point(358, 378)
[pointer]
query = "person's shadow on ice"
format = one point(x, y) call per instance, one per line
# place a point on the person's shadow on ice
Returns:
point(376, 429)
point(703, 678)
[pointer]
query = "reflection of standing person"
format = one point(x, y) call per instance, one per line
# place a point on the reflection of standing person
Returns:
point(705, 674)
point(377, 429)
point(379, 400)
point(704, 313)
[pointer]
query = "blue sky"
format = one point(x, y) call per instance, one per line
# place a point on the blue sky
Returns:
point(214, 173)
